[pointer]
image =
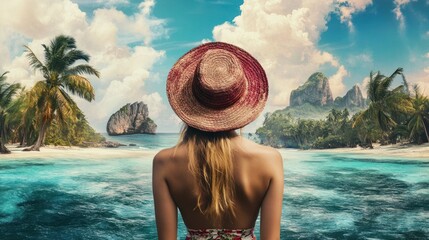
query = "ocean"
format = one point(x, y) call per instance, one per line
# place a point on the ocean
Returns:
point(326, 196)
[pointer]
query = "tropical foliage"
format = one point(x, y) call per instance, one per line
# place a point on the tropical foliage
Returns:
point(77, 133)
point(392, 115)
point(46, 113)
point(282, 130)
point(385, 103)
point(7, 91)
point(23, 119)
point(419, 121)
point(50, 97)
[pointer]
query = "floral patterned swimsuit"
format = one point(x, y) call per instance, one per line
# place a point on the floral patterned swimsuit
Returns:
point(222, 234)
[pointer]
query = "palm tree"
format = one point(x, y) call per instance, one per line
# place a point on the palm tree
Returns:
point(23, 118)
point(419, 116)
point(406, 88)
point(384, 103)
point(61, 77)
point(7, 91)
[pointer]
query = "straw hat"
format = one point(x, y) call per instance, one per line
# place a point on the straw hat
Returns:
point(217, 87)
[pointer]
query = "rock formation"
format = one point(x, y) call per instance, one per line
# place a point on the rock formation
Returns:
point(131, 119)
point(353, 98)
point(315, 91)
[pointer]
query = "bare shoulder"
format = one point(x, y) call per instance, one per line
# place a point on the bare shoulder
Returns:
point(163, 157)
point(265, 155)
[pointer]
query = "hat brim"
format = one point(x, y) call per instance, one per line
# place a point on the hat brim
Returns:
point(193, 113)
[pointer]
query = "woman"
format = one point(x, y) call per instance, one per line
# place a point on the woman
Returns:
point(217, 179)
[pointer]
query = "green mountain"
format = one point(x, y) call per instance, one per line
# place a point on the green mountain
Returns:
point(313, 99)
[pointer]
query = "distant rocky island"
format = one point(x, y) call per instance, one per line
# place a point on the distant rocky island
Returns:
point(131, 119)
point(314, 99)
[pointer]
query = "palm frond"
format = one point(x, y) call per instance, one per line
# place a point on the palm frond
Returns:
point(360, 118)
point(385, 121)
point(376, 92)
point(80, 86)
point(398, 90)
point(35, 63)
point(38, 88)
point(2, 76)
point(57, 62)
point(62, 41)
point(399, 70)
point(74, 55)
point(416, 90)
point(39, 96)
point(59, 48)
point(82, 69)
point(48, 54)
point(383, 87)
point(67, 109)
point(7, 93)
point(406, 85)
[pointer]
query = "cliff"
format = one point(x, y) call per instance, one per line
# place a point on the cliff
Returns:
point(131, 119)
point(313, 99)
point(353, 98)
point(315, 91)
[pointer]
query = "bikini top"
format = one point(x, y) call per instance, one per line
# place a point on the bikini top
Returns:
point(211, 234)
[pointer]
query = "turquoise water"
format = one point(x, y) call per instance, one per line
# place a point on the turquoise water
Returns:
point(327, 196)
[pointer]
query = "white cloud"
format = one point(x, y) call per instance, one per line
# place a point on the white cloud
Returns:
point(123, 81)
point(176, 120)
point(398, 12)
point(123, 69)
point(113, 2)
point(359, 59)
point(422, 79)
point(427, 55)
point(364, 86)
point(146, 6)
point(283, 35)
point(336, 82)
point(101, 2)
point(347, 8)
point(154, 103)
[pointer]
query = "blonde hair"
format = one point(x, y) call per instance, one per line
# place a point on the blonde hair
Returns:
point(211, 164)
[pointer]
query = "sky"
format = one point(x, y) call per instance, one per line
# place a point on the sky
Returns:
point(134, 44)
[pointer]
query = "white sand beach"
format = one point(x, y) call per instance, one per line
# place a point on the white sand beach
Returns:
point(64, 151)
point(393, 150)
point(397, 150)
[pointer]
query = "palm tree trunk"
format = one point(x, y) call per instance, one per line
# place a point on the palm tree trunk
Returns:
point(29, 139)
point(426, 131)
point(22, 138)
point(40, 138)
point(3, 148)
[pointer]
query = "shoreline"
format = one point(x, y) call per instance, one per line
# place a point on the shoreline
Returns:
point(76, 152)
point(393, 150)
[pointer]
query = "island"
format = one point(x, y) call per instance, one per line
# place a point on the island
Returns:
point(131, 119)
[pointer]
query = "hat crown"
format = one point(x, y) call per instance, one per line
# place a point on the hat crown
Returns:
point(219, 80)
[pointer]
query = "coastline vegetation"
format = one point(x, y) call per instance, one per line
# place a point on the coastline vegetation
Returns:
point(46, 113)
point(392, 116)
point(7, 91)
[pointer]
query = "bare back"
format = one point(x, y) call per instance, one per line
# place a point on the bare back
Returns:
point(258, 176)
